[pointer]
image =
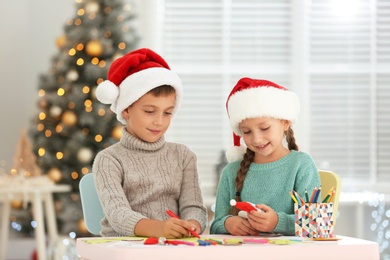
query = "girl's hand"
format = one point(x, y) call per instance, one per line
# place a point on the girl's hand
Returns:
point(265, 221)
point(239, 226)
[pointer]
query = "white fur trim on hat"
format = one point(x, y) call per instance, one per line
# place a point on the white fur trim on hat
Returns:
point(138, 84)
point(107, 92)
point(235, 153)
point(262, 102)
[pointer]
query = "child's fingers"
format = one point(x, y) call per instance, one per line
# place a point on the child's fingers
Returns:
point(182, 227)
point(173, 228)
point(263, 207)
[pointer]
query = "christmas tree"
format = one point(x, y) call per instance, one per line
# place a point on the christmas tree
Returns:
point(72, 126)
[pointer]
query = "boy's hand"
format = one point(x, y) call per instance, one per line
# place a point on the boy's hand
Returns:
point(169, 228)
point(196, 226)
point(265, 221)
point(177, 228)
point(239, 226)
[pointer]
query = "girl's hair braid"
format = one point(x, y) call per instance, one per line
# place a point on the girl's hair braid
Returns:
point(241, 174)
point(291, 140)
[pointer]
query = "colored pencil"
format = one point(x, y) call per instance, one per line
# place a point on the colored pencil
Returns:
point(313, 194)
point(307, 196)
point(293, 198)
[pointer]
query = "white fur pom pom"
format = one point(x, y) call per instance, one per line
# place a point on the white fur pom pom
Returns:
point(107, 92)
point(235, 153)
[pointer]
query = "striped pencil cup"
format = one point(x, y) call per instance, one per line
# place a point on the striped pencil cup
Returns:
point(314, 220)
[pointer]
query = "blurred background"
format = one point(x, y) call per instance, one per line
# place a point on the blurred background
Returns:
point(334, 54)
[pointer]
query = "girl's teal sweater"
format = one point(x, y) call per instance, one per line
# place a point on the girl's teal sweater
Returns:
point(269, 184)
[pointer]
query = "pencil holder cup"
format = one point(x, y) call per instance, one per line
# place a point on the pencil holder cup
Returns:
point(314, 220)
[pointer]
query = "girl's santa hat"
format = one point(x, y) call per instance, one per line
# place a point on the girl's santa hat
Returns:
point(132, 76)
point(253, 98)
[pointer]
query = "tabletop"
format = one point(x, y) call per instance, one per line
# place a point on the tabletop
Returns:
point(289, 248)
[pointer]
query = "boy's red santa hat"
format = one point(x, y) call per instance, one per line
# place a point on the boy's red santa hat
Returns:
point(252, 98)
point(132, 76)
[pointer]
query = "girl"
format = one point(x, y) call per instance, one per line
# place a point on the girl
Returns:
point(142, 176)
point(265, 171)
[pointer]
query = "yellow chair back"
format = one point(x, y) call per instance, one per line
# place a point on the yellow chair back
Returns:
point(331, 179)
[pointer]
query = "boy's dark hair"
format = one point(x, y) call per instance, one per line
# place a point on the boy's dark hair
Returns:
point(163, 90)
point(248, 159)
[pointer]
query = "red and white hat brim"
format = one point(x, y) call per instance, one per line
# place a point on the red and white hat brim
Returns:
point(262, 102)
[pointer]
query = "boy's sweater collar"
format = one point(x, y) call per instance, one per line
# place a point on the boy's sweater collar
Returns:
point(133, 143)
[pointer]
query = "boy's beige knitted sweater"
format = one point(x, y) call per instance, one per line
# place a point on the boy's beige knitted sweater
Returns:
point(137, 179)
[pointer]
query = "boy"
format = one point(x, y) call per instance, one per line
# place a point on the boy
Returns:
point(142, 176)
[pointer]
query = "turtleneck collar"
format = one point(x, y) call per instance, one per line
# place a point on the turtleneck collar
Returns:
point(133, 143)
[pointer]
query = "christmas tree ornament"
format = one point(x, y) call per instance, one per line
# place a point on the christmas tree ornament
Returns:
point(94, 48)
point(55, 111)
point(82, 227)
point(61, 41)
point(72, 75)
point(69, 118)
point(92, 7)
point(17, 204)
point(85, 155)
point(117, 132)
point(55, 174)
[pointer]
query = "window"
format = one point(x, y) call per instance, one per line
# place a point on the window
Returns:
point(349, 88)
point(339, 66)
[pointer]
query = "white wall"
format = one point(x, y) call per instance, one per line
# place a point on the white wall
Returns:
point(28, 33)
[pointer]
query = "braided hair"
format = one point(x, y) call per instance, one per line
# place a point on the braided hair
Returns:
point(241, 174)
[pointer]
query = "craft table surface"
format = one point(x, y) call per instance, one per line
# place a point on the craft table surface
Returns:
point(345, 248)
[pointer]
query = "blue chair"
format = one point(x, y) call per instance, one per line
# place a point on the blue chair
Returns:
point(92, 209)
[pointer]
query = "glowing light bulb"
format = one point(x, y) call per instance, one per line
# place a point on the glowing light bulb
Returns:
point(42, 116)
point(98, 138)
point(41, 151)
point(60, 92)
point(59, 155)
point(72, 52)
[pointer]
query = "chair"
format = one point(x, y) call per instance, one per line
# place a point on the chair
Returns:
point(92, 209)
point(330, 179)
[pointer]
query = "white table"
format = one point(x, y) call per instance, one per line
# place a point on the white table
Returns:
point(38, 196)
point(345, 248)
